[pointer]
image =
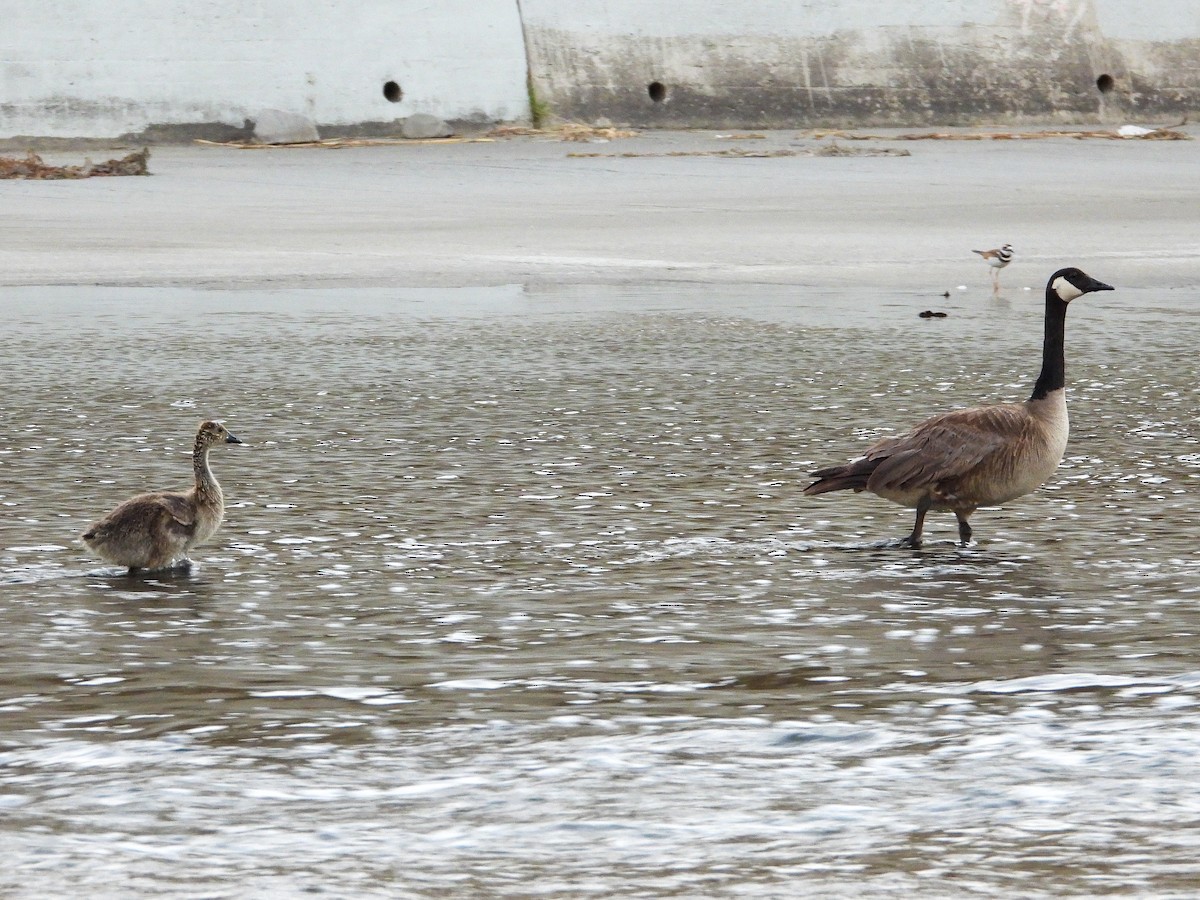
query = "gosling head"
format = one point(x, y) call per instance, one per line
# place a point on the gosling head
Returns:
point(1067, 284)
point(213, 433)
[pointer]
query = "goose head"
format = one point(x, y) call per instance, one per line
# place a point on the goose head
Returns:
point(1067, 284)
point(213, 433)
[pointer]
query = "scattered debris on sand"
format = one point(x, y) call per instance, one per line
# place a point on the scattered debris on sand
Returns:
point(1124, 133)
point(744, 153)
point(33, 167)
point(575, 132)
point(343, 143)
point(568, 131)
point(836, 149)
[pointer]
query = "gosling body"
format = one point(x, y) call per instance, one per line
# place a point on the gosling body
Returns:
point(982, 456)
point(158, 529)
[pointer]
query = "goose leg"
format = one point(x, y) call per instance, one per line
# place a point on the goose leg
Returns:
point(964, 527)
point(914, 539)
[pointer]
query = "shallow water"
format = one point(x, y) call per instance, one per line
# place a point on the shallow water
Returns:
point(517, 595)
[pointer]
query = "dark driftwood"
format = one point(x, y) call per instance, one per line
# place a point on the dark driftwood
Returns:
point(32, 166)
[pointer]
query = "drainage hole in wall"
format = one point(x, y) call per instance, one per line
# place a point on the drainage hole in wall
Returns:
point(1104, 83)
point(657, 91)
point(392, 91)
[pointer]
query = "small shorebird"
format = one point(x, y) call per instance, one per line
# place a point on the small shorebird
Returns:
point(997, 259)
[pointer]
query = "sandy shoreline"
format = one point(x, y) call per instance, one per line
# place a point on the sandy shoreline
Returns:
point(526, 210)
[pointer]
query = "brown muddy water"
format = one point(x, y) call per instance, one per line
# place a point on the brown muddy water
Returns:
point(517, 595)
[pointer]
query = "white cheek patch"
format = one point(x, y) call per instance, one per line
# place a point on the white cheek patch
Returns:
point(1065, 290)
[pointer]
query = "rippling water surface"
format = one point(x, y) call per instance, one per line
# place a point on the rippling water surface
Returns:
point(517, 595)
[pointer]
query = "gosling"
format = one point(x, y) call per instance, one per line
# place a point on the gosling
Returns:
point(155, 530)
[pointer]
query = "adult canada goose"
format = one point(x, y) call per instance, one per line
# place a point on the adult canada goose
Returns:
point(997, 259)
point(151, 531)
point(983, 456)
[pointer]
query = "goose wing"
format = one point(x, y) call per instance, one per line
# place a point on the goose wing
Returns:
point(942, 448)
point(148, 511)
point(147, 530)
point(179, 507)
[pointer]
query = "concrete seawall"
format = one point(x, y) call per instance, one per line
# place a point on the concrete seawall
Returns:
point(169, 68)
point(783, 63)
point(204, 67)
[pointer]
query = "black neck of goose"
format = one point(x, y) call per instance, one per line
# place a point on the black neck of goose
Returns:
point(1053, 376)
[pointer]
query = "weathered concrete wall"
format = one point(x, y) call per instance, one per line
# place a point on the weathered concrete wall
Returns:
point(902, 62)
point(100, 69)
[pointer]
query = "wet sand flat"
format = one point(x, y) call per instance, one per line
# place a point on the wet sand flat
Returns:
point(524, 210)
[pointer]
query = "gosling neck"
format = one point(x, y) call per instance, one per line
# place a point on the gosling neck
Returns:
point(1053, 376)
point(206, 483)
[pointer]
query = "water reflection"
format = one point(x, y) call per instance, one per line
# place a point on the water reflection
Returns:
point(518, 587)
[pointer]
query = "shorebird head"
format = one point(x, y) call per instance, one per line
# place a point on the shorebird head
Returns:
point(1067, 284)
point(212, 433)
